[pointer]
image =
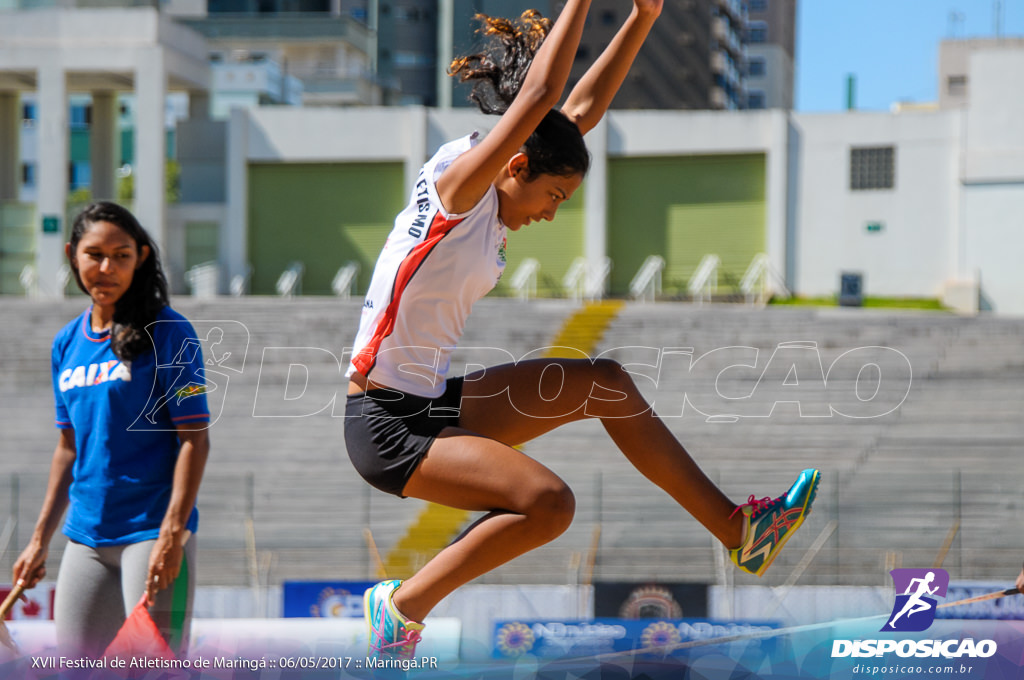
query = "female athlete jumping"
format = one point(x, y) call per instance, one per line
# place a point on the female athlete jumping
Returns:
point(412, 432)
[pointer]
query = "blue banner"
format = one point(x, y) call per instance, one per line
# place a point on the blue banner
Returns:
point(550, 639)
point(328, 599)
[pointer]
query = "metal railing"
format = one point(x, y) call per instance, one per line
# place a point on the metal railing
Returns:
point(524, 279)
point(240, 283)
point(704, 281)
point(761, 281)
point(289, 284)
point(575, 280)
point(344, 282)
point(203, 279)
point(647, 281)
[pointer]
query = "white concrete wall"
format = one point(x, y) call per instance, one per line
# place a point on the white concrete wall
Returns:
point(992, 231)
point(954, 210)
point(413, 134)
point(911, 256)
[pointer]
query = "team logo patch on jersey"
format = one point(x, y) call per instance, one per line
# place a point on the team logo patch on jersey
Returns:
point(502, 259)
point(190, 390)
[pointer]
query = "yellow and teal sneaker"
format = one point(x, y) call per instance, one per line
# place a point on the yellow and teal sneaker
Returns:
point(390, 634)
point(771, 521)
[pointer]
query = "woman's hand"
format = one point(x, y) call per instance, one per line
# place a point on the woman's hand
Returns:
point(164, 564)
point(648, 7)
point(30, 567)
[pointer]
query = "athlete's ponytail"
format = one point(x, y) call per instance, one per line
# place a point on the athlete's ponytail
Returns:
point(146, 295)
point(497, 73)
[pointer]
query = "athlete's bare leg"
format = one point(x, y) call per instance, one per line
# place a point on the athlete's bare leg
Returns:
point(599, 389)
point(529, 506)
point(514, 403)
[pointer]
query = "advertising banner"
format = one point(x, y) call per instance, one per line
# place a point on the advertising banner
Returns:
point(324, 599)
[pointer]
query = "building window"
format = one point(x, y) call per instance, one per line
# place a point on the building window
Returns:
point(758, 5)
point(755, 99)
point(956, 86)
point(872, 167)
point(79, 175)
point(756, 67)
point(28, 113)
point(28, 174)
point(757, 32)
point(81, 116)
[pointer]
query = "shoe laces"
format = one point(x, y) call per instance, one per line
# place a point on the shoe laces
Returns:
point(757, 505)
point(412, 637)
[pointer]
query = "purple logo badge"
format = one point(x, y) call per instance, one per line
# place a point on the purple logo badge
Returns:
point(914, 609)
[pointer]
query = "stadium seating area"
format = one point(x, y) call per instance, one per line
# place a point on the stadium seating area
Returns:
point(926, 473)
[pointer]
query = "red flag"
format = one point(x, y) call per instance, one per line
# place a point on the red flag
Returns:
point(139, 637)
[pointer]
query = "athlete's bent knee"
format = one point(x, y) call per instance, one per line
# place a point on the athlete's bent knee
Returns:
point(552, 509)
point(614, 394)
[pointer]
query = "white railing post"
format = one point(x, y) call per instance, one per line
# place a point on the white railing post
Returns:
point(63, 276)
point(29, 281)
point(524, 279)
point(704, 281)
point(596, 281)
point(202, 279)
point(760, 281)
point(344, 282)
point(648, 279)
point(289, 284)
point(239, 285)
point(575, 279)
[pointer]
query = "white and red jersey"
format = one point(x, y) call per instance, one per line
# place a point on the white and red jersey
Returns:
point(432, 269)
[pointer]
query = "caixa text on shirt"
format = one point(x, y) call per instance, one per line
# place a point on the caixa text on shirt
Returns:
point(94, 374)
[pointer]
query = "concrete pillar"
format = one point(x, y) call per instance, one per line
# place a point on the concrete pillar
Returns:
point(445, 43)
point(198, 105)
point(233, 240)
point(151, 144)
point(104, 145)
point(52, 175)
point(595, 206)
point(10, 155)
point(777, 191)
point(416, 132)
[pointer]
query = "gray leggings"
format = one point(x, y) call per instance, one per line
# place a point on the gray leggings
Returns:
point(98, 587)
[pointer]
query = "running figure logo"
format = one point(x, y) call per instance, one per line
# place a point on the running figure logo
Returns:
point(914, 611)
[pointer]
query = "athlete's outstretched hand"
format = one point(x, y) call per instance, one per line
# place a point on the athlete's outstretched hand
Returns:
point(1020, 580)
point(649, 7)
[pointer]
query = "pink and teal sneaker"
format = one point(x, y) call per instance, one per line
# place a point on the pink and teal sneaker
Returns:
point(771, 521)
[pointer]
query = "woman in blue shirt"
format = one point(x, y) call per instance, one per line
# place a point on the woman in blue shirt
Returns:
point(131, 411)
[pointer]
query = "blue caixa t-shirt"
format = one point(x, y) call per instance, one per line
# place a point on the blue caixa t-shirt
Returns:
point(125, 415)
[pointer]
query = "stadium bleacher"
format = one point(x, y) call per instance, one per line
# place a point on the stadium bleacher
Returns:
point(280, 500)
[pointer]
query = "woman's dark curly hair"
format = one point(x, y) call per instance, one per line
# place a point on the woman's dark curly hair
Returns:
point(497, 72)
point(146, 295)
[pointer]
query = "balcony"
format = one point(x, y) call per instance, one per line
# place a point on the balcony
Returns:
point(727, 36)
point(735, 8)
point(282, 27)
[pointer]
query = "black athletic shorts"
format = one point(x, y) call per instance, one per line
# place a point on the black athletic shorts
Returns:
point(388, 432)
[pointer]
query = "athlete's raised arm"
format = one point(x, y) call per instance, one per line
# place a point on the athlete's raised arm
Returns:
point(593, 94)
point(471, 175)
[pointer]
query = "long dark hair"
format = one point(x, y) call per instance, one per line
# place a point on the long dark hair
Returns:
point(146, 295)
point(497, 73)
